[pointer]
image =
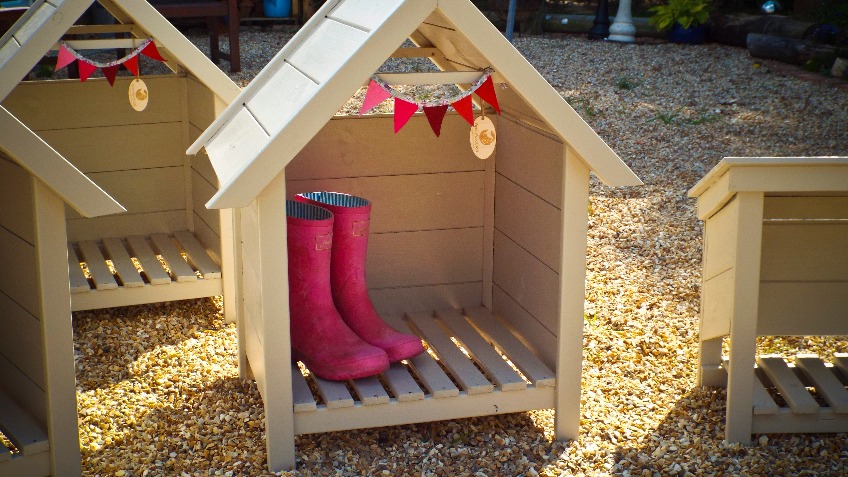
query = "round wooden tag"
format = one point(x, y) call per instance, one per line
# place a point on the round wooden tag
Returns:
point(483, 137)
point(138, 94)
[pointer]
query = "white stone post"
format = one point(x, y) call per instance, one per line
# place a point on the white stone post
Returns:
point(622, 29)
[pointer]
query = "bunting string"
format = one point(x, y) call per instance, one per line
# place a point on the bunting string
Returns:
point(87, 66)
point(405, 106)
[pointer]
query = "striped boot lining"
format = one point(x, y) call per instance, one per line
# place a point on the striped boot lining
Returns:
point(336, 198)
point(302, 210)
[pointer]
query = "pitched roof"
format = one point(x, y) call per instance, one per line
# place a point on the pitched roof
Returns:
point(335, 53)
point(33, 35)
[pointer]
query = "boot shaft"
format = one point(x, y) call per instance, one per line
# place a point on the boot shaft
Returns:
point(310, 242)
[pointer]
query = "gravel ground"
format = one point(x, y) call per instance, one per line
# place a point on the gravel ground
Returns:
point(158, 385)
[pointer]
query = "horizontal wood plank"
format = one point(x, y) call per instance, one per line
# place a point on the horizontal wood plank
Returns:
point(805, 207)
point(524, 359)
point(209, 238)
point(789, 386)
point(236, 145)
point(16, 196)
point(802, 308)
point(438, 384)
point(328, 47)
point(763, 404)
point(411, 202)
point(123, 225)
point(527, 280)
point(365, 14)
point(530, 159)
point(301, 394)
point(720, 241)
point(18, 277)
point(531, 222)
point(285, 93)
point(717, 300)
point(21, 342)
point(334, 393)
point(117, 148)
point(535, 335)
point(804, 252)
point(203, 110)
point(463, 370)
point(146, 294)
point(434, 257)
point(144, 190)
point(367, 146)
point(370, 391)
point(426, 298)
point(44, 105)
point(201, 192)
point(490, 360)
point(401, 383)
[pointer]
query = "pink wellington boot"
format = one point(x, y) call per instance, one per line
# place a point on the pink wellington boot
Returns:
point(347, 272)
point(319, 336)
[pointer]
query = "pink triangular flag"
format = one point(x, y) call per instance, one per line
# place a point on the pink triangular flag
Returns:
point(463, 107)
point(486, 91)
point(65, 58)
point(373, 96)
point(403, 111)
point(435, 115)
point(151, 51)
point(85, 69)
point(132, 65)
point(110, 72)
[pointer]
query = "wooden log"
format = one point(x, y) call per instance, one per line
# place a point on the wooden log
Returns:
point(575, 23)
point(734, 29)
point(787, 50)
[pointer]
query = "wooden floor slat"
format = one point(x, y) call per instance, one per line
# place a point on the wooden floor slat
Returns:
point(468, 376)
point(303, 400)
point(78, 281)
point(762, 402)
point(790, 387)
point(524, 359)
point(100, 273)
point(437, 383)
point(840, 362)
point(825, 382)
point(22, 431)
point(123, 264)
point(169, 251)
point(370, 391)
point(401, 383)
point(334, 393)
point(147, 258)
point(489, 359)
point(197, 255)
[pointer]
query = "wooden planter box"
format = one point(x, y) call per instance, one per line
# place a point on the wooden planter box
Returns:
point(775, 263)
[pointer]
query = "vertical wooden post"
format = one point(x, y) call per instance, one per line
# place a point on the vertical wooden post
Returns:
point(743, 322)
point(709, 361)
point(279, 402)
point(572, 277)
point(57, 331)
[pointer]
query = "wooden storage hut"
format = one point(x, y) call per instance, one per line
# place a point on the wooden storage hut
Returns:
point(490, 254)
point(80, 144)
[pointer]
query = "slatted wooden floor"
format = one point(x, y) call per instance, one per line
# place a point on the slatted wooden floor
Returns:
point(464, 376)
point(809, 396)
point(124, 284)
point(31, 454)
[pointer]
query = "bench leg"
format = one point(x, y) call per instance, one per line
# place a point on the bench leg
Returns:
point(214, 44)
point(709, 364)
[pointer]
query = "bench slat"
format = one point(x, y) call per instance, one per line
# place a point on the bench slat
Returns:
point(524, 359)
point(489, 359)
point(78, 281)
point(825, 382)
point(303, 400)
point(468, 376)
point(789, 386)
point(762, 401)
point(370, 391)
point(437, 383)
point(20, 429)
point(147, 258)
point(197, 255)
point(122, 263)
point(401, 383)
point(335, 393)
point(179, 268)
point(100, 273)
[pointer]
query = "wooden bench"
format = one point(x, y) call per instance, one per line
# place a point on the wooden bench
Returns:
point(140, 269)
point(213, 11)
point(30, 455)
point(775, 264)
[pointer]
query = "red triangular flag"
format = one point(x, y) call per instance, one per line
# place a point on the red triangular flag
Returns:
point(403, 111)
point(373, 96)
point(463, 107)
point(132, 65)
point(110, 72)
point(65, 58)
point(85, 69)
point(486, 91)
point(151, 51)
point(435, 115)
